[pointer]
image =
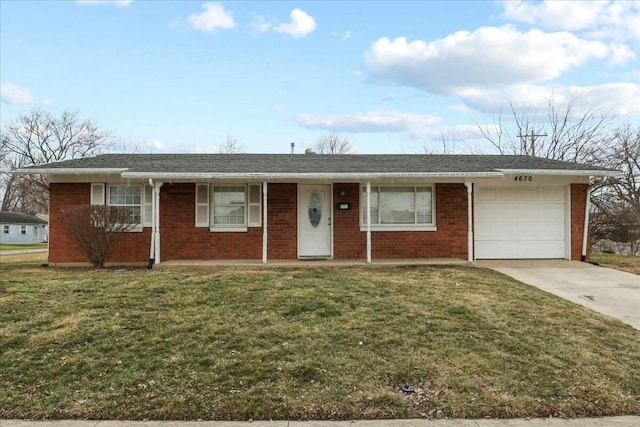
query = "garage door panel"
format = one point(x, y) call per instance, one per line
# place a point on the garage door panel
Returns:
point(520, 223)
point(553, 194)
point(508, 195)
point(529, 194)
point(486, 194)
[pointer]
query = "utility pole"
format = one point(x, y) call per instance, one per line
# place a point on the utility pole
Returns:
point(533, 136)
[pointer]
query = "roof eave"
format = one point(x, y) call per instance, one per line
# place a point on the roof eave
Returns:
point(69, 171)
point(563, 172)
point(338, 175)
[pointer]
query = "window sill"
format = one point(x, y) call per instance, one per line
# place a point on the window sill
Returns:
point(400, 228)
point(228, 229)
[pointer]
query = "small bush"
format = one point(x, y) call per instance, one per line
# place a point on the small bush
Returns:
point(96, 229)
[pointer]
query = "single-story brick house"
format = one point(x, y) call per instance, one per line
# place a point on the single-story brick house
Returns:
point(21, 229)
point(310, 206)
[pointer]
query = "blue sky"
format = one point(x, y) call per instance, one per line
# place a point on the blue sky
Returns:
point(392, 77)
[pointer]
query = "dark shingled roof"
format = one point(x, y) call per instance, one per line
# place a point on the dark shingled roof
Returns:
point(315, 163)
point(19, 218)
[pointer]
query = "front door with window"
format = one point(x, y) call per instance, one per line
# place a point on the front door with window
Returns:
point(314, 221)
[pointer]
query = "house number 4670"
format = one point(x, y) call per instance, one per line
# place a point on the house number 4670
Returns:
point(523, 178)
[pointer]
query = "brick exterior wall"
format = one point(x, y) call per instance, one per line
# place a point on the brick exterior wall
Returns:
point(450, 241)
point(132, 248)
point(181, 240)
point(578, 203)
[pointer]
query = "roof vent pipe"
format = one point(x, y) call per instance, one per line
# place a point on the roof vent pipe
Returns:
point(293, 147)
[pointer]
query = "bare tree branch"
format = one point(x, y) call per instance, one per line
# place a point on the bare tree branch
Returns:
point(38, 138)
point(230, 146)
point(333, 144)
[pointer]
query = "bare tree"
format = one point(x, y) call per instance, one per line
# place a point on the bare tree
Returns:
point(230, 146)
point(566, 133)
point(36, 138)
point(447, 142)
point(333, 144)
point(616, 202)
point(96, 229)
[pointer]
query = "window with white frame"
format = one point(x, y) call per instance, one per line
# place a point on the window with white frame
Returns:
point(6, 229)
point(228, 207)
point(399, 206)
point(128, 197)
point(23, 229)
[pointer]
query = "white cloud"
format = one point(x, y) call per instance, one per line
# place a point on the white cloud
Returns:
point(617, 99)
point(277, 108)
point(300, 26)
point(388, 97)
point(214, 17)
point(601, 19)
point(261, 25)
point(15, 95)
point(460, 108)
point(488, 57)
point(347, 35)
point(374, 121)
point(119, 3)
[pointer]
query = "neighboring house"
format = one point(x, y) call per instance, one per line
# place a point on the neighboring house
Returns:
point(311, 206)
point(21, 229)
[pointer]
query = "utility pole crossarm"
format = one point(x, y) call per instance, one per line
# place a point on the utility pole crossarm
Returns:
point(533, 136)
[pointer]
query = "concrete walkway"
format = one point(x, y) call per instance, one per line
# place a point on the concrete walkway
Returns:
point(607, 291)
point(628, 421)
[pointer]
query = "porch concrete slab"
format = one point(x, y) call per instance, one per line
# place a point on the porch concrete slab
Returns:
point(611, 292)
point(310, 263)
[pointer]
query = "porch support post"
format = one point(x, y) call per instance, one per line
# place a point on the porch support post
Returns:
point(368, 222)
point(469, 186)
point(585, 231)
point(152, 250)
point(264, 222)
point(156, 215)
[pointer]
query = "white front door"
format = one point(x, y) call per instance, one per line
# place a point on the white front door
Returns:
point(314, 221)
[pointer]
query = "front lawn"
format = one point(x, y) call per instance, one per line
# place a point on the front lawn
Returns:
point(628, 263)
point(308, 343)
point(12, 247)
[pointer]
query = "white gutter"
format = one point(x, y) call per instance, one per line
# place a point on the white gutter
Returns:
point(69, 171)
point(288, 175)
point(264, 222)
point(469, 186)
point(585, 231)
point(559, 172)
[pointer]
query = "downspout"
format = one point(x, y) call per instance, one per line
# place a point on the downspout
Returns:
point(368, 222)
point(585, 231)
point(469, 186)
point(264, 220)
point(152, 249)
point(156, 190)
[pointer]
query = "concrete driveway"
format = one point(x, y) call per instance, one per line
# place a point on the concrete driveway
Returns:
point(611, 292)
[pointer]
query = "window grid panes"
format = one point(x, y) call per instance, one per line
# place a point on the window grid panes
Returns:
point(23, 229)
point(399, 206)
point(6, 229)
point(128, 197)
point(229, 204)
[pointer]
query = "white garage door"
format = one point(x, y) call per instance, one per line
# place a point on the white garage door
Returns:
point(519, 223)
